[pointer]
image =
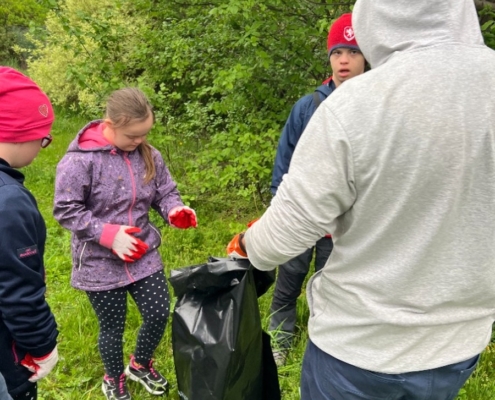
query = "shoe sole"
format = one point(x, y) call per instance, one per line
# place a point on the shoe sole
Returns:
point(139, 380)
point(104, 391)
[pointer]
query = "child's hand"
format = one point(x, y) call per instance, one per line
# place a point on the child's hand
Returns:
point(182, 217)
point(40, 366)
point(126, 246)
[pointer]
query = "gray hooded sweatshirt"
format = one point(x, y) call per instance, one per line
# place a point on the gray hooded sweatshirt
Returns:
point(408, 194)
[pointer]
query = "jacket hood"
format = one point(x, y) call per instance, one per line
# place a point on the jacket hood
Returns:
point(90, 138)
point(384, 27)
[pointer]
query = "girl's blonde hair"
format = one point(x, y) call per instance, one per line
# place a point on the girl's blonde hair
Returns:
point(131, 105)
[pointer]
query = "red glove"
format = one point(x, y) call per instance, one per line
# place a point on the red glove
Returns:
point(126, 246)
point(41, 366)
point(182, 217)
point(251, 223)
point(236, 249)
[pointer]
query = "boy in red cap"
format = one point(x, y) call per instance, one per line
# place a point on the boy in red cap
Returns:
point(28, 332)
point(346, 62)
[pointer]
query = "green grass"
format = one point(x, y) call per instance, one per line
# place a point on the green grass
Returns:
point(79, 372)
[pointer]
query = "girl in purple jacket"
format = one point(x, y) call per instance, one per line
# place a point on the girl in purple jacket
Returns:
point(105, 186)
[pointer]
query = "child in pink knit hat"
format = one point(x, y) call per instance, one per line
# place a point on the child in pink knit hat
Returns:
point(28, 332)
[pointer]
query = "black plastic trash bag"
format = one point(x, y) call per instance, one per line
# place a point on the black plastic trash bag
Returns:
point(220, 350)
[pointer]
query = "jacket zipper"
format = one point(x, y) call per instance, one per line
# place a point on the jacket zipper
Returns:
point(81, 255)
point(133, 185)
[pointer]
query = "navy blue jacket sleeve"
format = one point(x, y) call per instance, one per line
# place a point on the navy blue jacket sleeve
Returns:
point(291, 133)
point(23, 308)
point(294, 127)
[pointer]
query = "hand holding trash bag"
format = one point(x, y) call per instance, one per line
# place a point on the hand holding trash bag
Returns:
point(183, 217)
point(236, 249)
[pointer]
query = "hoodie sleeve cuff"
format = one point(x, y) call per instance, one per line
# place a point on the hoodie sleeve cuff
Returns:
point(43, 351)
point(108, 235)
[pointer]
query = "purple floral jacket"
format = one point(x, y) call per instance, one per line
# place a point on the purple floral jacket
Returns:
point(98, 184)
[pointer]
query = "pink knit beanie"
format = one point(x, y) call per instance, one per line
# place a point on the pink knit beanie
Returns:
point(341, 34)
point(25, 111)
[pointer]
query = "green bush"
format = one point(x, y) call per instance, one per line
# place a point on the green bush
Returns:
point(487, 14)
point(85, 53)
point(16, 16)
point(222, 76)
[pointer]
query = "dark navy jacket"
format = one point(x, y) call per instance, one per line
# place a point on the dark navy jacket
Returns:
point(26, 322)
point(296, 123)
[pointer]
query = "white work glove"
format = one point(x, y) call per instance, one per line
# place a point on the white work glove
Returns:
point(41, 366)
point(126, 246)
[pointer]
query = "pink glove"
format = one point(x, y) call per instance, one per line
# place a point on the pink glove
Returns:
point(182, 217)
point(40, 366)
point(126, 246)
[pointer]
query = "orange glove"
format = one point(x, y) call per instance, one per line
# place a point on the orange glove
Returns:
point(236, 249)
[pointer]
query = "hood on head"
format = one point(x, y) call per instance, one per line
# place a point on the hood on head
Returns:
point(383, 27)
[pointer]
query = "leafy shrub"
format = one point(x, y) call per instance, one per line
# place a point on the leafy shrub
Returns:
point(222, 76)
point(487, 15)
point(15, 18)
point(85, 52)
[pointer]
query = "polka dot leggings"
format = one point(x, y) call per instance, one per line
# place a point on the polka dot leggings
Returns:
point(151, 297)
point(31, 394)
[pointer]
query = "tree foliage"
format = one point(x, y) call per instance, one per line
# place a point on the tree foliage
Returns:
point(487, 20)
point(15, 18)
point(222, 75)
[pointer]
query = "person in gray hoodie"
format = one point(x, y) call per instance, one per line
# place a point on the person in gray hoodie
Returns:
point(406, 301)
point(105, 186)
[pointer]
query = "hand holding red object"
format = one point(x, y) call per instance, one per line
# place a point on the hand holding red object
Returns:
point(183, 217)
point(126, 246)
point(41, 366)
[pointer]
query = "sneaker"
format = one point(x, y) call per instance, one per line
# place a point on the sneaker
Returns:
point(115, 390)
point(147, 376)
point(280, 357)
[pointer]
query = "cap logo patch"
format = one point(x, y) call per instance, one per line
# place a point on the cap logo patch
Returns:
point(348, 33)
point(43, 109)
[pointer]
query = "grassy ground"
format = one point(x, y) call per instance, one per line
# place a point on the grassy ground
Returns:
point(79, 372)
